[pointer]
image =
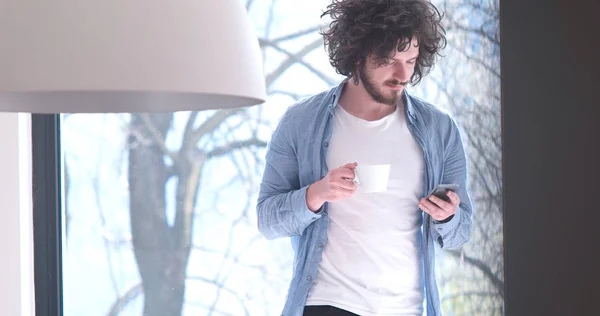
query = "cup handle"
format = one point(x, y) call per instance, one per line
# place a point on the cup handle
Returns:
point(356, 180)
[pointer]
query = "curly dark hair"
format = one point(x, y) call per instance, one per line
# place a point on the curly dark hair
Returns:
point(361, 28)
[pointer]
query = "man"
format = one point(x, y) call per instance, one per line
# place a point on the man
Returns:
point(357, 252)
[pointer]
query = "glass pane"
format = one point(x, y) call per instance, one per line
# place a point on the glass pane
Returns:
point(168, 200)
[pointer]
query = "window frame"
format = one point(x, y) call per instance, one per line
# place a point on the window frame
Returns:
point(47, 213)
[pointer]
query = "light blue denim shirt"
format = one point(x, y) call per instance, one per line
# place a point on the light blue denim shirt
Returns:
point(296, 158)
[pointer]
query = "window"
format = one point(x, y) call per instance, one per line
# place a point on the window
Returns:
point(168, 200)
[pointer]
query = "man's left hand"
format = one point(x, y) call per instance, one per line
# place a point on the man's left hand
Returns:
point(438, 208)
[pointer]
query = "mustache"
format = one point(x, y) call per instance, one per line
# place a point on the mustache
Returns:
point(397, 83)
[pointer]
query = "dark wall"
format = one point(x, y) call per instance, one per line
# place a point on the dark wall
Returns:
point(551, 140)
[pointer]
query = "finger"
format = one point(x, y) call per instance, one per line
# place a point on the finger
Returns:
point(441, 203)
point(351, 165)
point(344, 184)
point(431, 206)
point(454, 198)
point(425, 208)
point(432, 209)
point(344, 173)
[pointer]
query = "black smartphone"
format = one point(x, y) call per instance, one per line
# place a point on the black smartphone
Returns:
point(441, 189)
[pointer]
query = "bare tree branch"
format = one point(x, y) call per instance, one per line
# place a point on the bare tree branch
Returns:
point(476, 6)
point(298, 34)
point(268, 26)
point(291, 60)
point(292, 95)
point(477, 60)
point(236, 145)
point(189, 127)
point(227, 253)
point(483, 267)
point(249, 4)
point(96, 186)
point(222, 287)
point(192, 303)
point(470, 293)
point(211, 124)
point(318, 73)
point(157, 137)
point(121, 302)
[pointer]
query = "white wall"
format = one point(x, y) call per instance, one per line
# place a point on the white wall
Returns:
point(16, 257)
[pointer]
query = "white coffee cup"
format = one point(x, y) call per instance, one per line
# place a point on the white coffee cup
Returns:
point(372, 178)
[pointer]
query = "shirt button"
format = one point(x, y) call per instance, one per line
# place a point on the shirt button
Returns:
point(320, 245)
point(314, 218)
point(309, 278)
point(326, 144)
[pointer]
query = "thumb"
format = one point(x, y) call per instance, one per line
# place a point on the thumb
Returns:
point(351, 165)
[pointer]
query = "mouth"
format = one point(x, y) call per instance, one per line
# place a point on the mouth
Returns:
point(395, 86)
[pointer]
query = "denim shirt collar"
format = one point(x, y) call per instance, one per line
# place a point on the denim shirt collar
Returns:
point(410, 109)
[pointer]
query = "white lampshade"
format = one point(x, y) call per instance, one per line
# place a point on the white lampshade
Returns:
point(95, 56)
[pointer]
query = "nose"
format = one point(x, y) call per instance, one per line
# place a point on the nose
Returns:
point(402, 72)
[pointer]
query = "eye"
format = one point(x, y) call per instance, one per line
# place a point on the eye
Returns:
point(411, 62)
point(387, 62)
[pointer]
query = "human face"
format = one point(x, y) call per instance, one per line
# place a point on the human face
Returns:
point(385, 82)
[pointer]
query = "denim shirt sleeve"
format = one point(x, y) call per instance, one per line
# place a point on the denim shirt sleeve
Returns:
point(457, 231)
point(281, 207)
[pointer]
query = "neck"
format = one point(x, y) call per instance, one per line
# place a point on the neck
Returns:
point(358, 102)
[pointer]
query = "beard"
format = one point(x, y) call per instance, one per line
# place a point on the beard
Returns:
point(376, 93)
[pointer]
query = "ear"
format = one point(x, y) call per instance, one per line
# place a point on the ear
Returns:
point(359, 64)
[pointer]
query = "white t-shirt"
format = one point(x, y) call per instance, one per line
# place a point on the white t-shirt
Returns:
point(372, 262)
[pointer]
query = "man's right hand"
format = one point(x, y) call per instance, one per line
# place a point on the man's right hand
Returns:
point(336, 185)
